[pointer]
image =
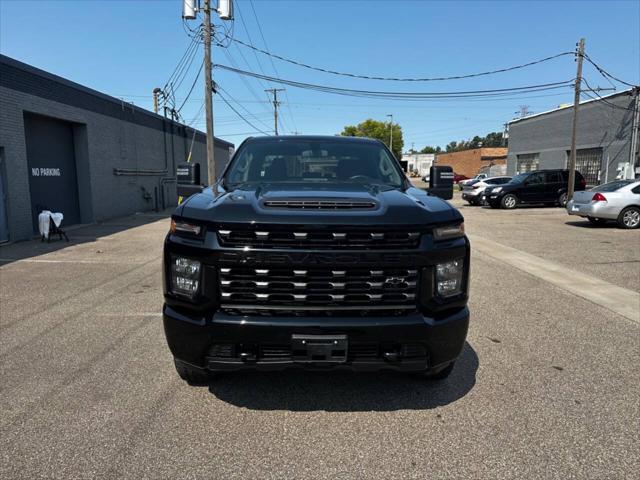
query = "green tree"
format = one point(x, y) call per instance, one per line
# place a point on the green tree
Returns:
point(378, 130)
point(494, 139)
point(429, 149)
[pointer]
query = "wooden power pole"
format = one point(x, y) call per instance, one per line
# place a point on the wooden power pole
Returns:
point(574, 129)
point(276, 104)
point(208, 91)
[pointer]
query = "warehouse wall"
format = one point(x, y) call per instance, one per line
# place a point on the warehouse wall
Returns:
point(600, 125)
point(108, 135)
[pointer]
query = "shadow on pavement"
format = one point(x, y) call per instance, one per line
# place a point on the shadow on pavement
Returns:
point(346, 391)
point(77, 235)
point(587, 224)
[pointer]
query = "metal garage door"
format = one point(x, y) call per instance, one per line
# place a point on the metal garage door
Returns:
point(588, 163)
point(527, 162)
point(52, 168)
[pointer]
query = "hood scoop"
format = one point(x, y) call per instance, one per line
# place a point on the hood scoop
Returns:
point(323, 204)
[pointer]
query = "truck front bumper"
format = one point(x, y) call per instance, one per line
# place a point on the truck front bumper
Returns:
point(225, 342)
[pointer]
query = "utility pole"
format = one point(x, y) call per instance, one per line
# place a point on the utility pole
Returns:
point(391, 132)
point(276, 104)
point(635, 131)
point(190, 9)
point(208, 92)
point(574, 129)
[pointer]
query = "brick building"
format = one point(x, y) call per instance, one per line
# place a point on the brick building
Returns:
point(472, 162)
point(88, 155)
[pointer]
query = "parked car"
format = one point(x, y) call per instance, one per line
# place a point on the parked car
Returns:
point(316, 253)
point(539, 187)
point(617, 201)
point(457, 178)
point(480, 176)
point(473, 192)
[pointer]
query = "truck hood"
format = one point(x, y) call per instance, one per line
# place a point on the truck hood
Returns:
point(264, 204)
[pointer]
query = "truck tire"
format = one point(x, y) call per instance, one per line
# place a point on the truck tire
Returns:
point(192, 375)
point(629, 218)
point(509, 201)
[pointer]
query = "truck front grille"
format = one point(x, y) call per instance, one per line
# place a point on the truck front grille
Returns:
point(319, 239)
point(317, 289)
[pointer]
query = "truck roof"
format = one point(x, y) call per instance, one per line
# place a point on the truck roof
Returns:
point(306, 138)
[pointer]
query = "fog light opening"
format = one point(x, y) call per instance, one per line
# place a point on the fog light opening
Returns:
point(185, 276)
point(449, 278)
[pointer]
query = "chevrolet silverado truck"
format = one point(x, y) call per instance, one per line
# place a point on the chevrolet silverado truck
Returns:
point(315, 252)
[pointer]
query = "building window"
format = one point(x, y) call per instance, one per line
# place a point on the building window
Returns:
point(527, 162)
point(588, 163)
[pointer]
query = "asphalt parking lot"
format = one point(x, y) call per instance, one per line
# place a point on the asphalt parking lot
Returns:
point(547, 386)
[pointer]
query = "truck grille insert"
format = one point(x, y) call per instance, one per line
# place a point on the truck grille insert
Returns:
point(319, 239)
point(316, 289)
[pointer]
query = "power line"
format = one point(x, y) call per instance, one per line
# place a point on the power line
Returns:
point(242, 106)
point(240, 115)
point(185, 55)
point(192, 87)
point(220, 88)
point(601, 99)
point(605, 74)
point(404, 95)
point(264, 41)
point(244, 80)
point(246, 30)
point(400, 79)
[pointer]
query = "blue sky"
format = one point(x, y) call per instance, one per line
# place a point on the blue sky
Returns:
point(126, 48)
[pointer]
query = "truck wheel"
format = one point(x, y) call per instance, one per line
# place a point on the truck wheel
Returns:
point(563, 199)
point(192, 375)
point(509, 201)
point(629, 218)
point(597, 221)
point(441, 375)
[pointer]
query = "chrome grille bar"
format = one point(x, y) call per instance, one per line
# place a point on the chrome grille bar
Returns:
point(322, 238)
point(317, 287)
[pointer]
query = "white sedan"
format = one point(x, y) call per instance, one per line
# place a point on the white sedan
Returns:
point(618, 200)
point(472, 192)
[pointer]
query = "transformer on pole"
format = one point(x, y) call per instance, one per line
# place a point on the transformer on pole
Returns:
point(225, 9)
point(190, 9)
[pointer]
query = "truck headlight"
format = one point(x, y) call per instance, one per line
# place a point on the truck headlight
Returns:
point(449, 278)
point(448, 232)
point(178, 226)
point(185, 276)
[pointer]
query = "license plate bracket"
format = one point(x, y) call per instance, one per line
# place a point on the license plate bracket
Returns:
point(319, 348)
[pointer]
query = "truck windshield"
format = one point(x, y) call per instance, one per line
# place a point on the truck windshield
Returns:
point(310, 161)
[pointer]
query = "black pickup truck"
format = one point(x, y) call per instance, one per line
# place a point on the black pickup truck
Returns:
point(315, 252)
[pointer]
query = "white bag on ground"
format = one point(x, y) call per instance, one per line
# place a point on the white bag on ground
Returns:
point(43, 221)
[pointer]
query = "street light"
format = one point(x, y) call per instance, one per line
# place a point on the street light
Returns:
point(391, 132)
